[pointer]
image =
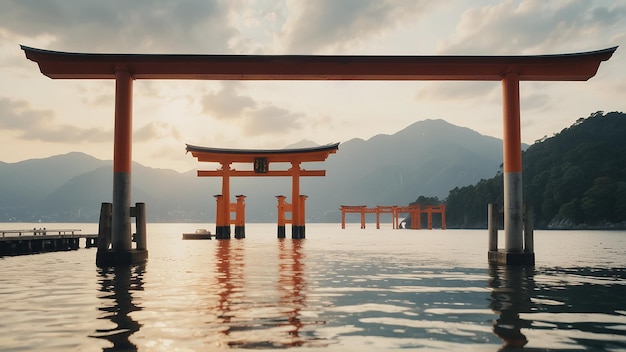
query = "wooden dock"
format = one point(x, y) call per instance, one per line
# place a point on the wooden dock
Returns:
point(30, 241)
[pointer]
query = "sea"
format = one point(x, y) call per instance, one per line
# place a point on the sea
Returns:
point(339, 289)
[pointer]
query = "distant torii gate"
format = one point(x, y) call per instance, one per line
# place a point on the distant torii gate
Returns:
point(261, 160)
point(415, 210)
point(509, 70)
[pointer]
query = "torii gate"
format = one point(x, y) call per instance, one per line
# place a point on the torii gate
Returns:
point(261, 161)
point(509, 70)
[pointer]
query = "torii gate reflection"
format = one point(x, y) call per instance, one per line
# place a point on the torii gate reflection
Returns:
point(286, 312)
point(510, 70)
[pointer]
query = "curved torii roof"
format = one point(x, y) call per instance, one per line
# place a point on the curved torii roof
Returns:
point(208, 154)
point(562, 67)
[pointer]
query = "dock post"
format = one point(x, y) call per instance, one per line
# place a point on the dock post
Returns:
point(104, 227)
point(140, 225)
point(91, 242)
point(503, 256)
point(493, 226)
point(529, 245)
point(75, 243)
point(108, 257)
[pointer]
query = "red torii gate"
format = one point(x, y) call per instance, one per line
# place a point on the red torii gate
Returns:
point(395, 211)
point(124, 68)
point(261, 161)
point(416, 211)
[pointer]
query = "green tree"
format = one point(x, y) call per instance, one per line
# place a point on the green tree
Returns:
point(599, 201)
point(578, 174)
point(423, 200)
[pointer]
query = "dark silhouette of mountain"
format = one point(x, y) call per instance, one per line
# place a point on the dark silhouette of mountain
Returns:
point(429, 158)
point(575, 179)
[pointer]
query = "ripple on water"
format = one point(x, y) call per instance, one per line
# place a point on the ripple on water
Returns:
point(336, 290)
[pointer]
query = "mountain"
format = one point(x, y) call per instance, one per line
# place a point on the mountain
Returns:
point(305, 143)
point(427, 158)
point(575, 179)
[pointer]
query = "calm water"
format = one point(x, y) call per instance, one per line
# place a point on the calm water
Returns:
point(338, 290)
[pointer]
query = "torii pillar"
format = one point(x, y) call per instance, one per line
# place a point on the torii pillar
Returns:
point(297, 227)
point(121, 251)
point(512, 163)
point(122, 161)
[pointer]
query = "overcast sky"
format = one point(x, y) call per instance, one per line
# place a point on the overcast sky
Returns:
point(40, 117)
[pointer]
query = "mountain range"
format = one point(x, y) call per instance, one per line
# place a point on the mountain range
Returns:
point(429, 158)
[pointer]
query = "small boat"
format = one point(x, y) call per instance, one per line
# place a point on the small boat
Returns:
point(200, 234)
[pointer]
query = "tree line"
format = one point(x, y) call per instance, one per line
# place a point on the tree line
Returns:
point(574, 179)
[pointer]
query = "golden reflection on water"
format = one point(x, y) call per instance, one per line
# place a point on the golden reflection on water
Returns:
point(281, 322)
point(279, 294)
point(229, 267)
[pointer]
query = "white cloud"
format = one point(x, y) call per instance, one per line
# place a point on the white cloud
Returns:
point(197, 26)
point(271, 120)
point(324, 26)
point(157, 130)
point(273, 114)
point(41, 125)
point(534, 27)
point(447, 91)
point(227, 103)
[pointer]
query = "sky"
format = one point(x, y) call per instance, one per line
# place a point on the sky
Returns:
point(41, 117)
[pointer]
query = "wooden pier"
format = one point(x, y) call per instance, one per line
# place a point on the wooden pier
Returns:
point(30, 241)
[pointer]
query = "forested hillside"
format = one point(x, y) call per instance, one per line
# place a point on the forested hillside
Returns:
point(574, 179)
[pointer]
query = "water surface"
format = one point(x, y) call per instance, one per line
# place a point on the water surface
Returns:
point(337, 290)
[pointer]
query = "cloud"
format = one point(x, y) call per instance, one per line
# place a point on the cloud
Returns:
point(156, 130)
point(256, 119)
point(39, 125)
point(227, 103)
point(536, 101)
point(17, 115)
point(324, 25)
point(534, 27)
point(271, 120)
point(447, 91)
point(194, 26)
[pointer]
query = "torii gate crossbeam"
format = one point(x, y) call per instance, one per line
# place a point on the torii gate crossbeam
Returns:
point(510, 70)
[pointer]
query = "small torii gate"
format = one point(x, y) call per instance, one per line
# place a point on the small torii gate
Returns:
point(261, 161)
point(395, 210)
point(509, 70)
point(416, 211)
